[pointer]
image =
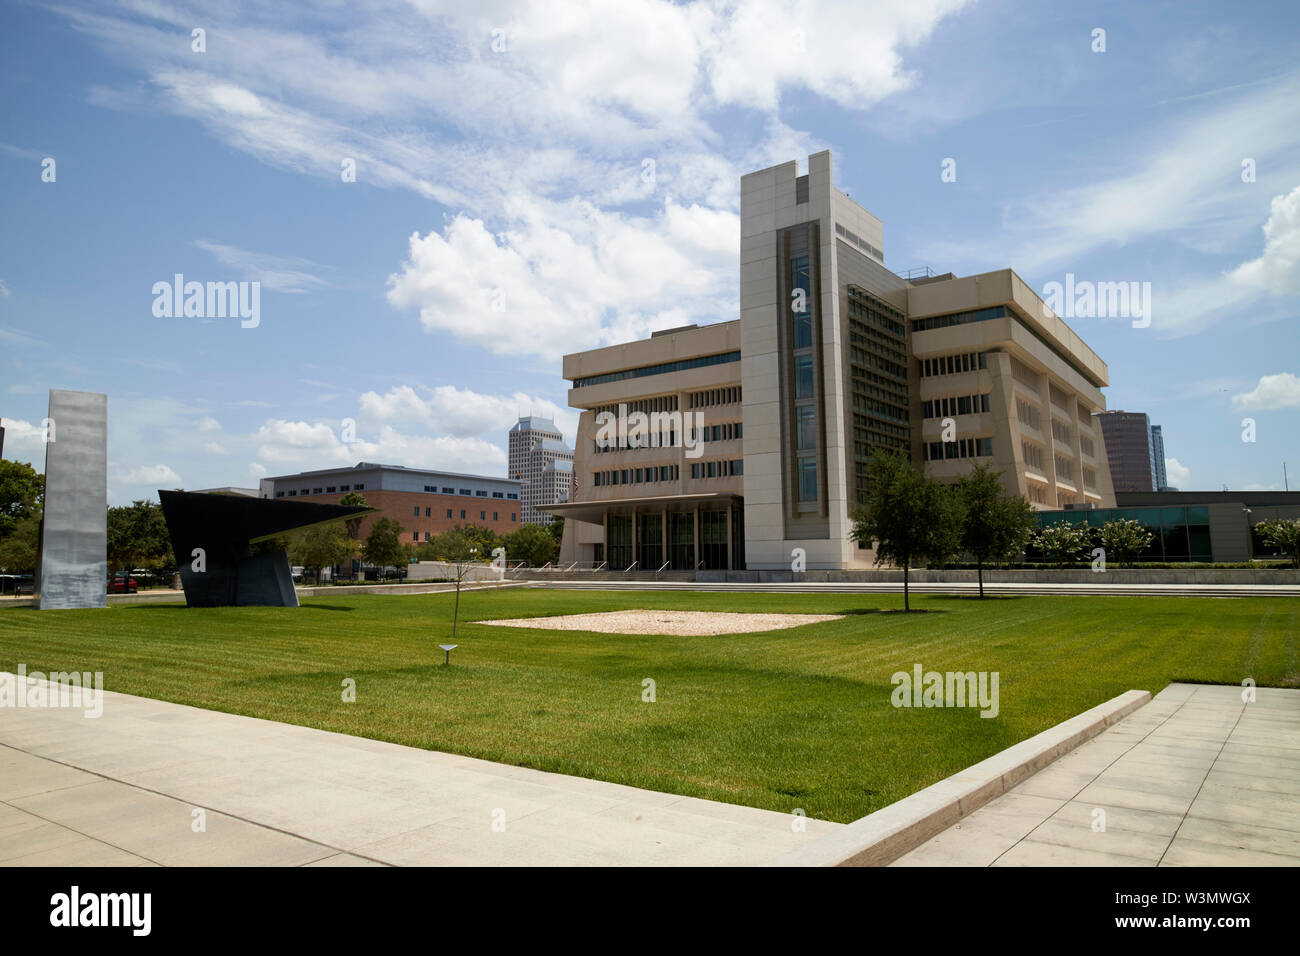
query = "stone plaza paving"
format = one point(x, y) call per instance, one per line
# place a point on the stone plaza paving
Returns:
point(1197, 777)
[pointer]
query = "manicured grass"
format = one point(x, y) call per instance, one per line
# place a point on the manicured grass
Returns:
point(789, 719)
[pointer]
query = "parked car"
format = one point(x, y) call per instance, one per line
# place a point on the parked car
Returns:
point(123, 583)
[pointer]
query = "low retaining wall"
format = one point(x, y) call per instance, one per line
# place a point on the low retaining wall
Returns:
point(882, 837)
point(1023, 576)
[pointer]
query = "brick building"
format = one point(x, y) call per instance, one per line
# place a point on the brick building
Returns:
point(425, 503)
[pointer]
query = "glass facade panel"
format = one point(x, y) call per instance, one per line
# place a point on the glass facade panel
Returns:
point(806, 427)
point(807, 479)
point(803, 376)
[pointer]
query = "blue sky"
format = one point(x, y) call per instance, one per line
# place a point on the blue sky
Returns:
point(504, 211)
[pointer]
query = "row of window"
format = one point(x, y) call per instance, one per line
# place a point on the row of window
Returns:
point(860, 243)
point(1061, 431)
point(959, 318)
point(1086, 444)
point(434, 489)
point(681, 365)
point(635, 476)
point(962, 448)
point(1027, 413)
point(961, 405)
point(715, 396)
point(660, 403)
point(668, 439)
point(952, 364)
point(1032, 454)
point(327, 490)
point(717, 469)
point(482, 516)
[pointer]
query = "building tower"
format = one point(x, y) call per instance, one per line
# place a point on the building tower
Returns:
point(542, 463)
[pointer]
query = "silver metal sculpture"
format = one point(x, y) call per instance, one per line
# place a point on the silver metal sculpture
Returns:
point(73, 569)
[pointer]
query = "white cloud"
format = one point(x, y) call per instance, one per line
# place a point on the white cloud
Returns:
point(1277, 270)
point(461, 413)
point(209, 424)
point(299, 445)
point(4, 289)
point(1271, 393)
point(155, 476)
point(25, 440)
point(1177, 474)
point(569, 273)
point(214, 448)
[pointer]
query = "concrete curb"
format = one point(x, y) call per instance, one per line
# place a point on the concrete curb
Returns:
point(882, 837)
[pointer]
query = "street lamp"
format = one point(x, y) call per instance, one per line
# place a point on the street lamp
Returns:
point(1250, 541)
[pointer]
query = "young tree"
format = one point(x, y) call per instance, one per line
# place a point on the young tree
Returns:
point(995, 525)
point(321, 546)
point(459, 549)
point(383, 546)
point(352, 527)
point(1125, 539)
point(908, 517)
point(1283, 534)
point(1062, 542)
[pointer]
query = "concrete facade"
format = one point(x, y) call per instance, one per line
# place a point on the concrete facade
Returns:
point(835, 358)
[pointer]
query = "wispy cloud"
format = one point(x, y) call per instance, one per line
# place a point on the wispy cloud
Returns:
point(276, 273)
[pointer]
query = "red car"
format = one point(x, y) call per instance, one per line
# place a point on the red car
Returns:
point(123, 584)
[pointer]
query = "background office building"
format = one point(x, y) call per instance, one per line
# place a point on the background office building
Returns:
point(833, 358)
point(1158, 459)
point(1131, 451)
point(541, 462)
point(424, 503)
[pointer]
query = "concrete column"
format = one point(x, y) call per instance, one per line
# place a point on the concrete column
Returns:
point(695, 558)
point(728, 537)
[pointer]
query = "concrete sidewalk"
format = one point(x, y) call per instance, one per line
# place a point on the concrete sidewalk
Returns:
point(1197, 777)
point(122, 789)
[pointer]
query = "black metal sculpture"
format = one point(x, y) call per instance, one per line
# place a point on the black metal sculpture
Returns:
point(223, 545)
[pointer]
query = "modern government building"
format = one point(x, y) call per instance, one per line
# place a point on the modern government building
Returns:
point(833, 357)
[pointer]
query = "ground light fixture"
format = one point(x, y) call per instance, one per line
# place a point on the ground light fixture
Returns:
point(448, 648)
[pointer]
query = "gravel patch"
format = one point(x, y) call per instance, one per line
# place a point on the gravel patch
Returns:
point(676, 623)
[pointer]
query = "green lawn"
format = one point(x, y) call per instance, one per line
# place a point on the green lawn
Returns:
point(784, 719)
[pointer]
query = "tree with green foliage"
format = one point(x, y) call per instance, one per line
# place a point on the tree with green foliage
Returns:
point(908, 517)
point(1125, 539)
point(534, 544)
point(995, 525)
point(1063, 541)
point(19, 548)
point(1283, 534)
point(22, 493)
point(137, 537)
point(321, 546)
point(384, 545)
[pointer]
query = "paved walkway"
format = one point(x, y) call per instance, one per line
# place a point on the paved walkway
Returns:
point(121, 789)
point(1194, 778)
